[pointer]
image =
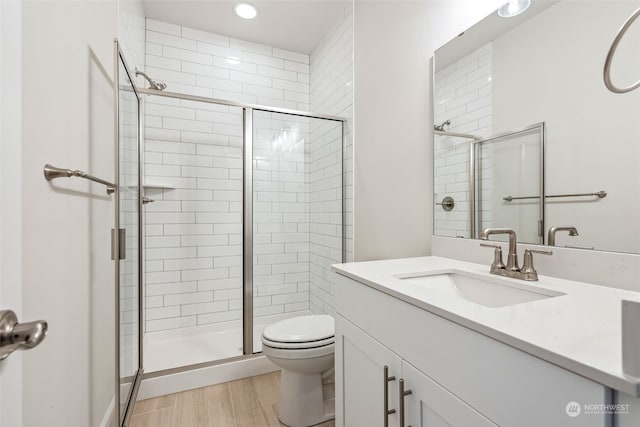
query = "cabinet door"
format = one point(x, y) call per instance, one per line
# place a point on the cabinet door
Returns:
point(360, 381)
point(429, 404)
point(628, 413)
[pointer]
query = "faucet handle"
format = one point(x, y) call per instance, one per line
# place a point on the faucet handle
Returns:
point(488, 245)
point(528, 271)
point(497, 257)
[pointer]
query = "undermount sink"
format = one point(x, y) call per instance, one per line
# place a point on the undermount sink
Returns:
point(486, 291)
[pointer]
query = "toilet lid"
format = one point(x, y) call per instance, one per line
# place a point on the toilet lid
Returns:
point(301, 329)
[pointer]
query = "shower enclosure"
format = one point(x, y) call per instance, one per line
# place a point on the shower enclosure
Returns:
point(232, 213)
point(244, 217)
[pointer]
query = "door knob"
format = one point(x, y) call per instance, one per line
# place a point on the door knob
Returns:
point(14, 335)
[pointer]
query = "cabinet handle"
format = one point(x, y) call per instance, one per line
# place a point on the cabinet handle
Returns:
point(387, 411)
point(403, 393)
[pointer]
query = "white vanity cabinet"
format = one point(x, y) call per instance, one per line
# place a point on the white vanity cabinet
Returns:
point(457, 377)
point(367, 366)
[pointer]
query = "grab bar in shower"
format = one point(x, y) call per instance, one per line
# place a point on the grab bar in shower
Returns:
point(612, 50)
point(52, 172)
point(599, 194)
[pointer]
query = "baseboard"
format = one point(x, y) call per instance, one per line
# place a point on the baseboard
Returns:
point(202, 377)
point(107, 419)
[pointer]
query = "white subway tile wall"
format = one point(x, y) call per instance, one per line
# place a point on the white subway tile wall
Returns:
point(193, 231)
point(280, 214)
point(200, 63)
point(331, 86)
point(462, 96)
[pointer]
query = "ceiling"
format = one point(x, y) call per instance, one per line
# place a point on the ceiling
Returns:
point(296, 25)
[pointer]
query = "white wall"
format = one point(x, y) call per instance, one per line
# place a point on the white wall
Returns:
point(11, 390)
point(67, 120)
point(393, 122)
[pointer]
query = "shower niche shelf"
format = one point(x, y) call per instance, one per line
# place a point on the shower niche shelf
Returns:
point(157, 186)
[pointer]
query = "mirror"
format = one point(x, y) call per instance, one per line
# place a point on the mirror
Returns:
point(545, 67)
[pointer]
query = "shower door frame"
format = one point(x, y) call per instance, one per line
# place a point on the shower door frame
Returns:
point(247, 204)
point(123, 418)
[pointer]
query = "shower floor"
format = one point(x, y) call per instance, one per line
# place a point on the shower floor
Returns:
point(189, 346)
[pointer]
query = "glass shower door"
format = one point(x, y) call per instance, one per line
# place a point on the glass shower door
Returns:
point(128, 255)
point(297, 215)
point(193, 170)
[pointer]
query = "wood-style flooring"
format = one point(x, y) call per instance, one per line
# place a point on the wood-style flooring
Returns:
point(250, 402)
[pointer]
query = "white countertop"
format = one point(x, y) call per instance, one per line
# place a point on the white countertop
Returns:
point(580, 331)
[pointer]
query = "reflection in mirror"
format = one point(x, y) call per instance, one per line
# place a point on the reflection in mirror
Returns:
point(496, 180)
point(507, 188)
point(542, 66)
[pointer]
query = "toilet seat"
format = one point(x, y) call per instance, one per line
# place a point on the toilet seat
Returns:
point(299, 354)
point(298, 345)
point(301, 332)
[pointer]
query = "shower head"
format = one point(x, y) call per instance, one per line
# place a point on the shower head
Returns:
point(158, 85)
point(152, 83)
point(442, 126)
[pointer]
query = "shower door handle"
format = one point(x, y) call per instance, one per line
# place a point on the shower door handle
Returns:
point(118, 244)
point(16, 336)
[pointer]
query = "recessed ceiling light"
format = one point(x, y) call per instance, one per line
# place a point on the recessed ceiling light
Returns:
point(245, 10)
point(513, 8)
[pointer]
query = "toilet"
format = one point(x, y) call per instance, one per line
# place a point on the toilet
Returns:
point(303, 348)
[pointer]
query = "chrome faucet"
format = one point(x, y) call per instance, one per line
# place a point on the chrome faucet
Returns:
point(512, 257)
point(527, 272)
point(551, 237)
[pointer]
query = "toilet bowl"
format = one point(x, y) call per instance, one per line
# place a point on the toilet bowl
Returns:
point(303, 348)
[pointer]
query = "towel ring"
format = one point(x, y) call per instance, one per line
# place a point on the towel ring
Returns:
point(612, 50)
